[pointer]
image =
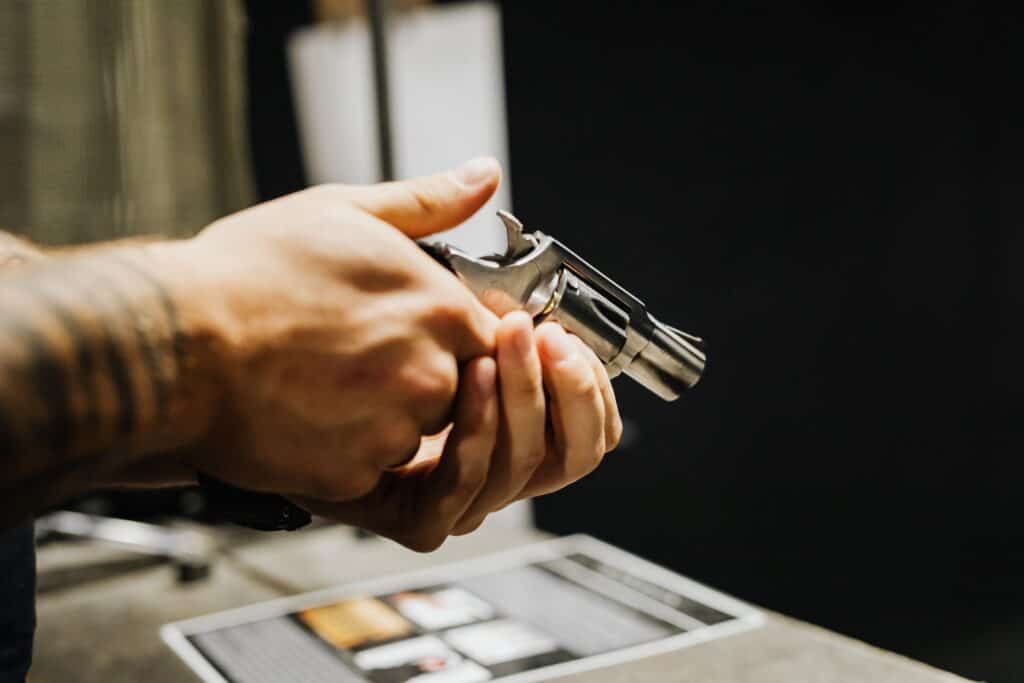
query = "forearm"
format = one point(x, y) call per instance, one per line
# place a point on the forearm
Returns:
point(95, 370)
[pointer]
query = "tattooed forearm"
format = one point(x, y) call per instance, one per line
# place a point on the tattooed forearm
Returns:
point(92, 373)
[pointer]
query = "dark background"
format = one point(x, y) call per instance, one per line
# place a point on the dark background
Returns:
point(831, 196)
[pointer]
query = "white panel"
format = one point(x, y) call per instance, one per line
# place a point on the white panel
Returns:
point(448, 103)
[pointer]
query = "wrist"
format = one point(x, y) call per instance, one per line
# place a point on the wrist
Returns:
point(198, 339)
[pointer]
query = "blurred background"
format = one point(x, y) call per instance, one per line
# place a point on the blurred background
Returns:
point(829, 193)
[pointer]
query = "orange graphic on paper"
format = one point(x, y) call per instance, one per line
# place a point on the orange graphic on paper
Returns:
point(357, 621)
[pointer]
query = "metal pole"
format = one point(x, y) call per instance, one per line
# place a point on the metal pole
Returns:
point(377, 10)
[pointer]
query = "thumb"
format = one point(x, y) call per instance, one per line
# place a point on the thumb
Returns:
point(430, 204)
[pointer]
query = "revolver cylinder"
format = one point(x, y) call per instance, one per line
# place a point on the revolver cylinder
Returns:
point(666, 361)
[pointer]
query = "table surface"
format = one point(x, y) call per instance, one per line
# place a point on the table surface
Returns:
point(107, 629)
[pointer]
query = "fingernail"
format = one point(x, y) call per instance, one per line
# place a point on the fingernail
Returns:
point(476, 171)
point(557, 345)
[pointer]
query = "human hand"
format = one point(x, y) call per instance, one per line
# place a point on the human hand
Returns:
point(559, 416)
point(330, 340)
point(549, 422)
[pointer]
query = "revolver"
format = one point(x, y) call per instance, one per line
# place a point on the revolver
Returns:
point(541, 275)
point(550, 281)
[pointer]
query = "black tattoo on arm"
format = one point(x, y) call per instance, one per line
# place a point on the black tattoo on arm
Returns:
point(91, 370)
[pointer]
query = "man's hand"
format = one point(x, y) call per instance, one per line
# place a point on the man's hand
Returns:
point(335, 342)
point(559, 416)
point(507, 442)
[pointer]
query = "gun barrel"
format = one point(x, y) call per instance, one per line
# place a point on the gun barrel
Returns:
point(668, 362)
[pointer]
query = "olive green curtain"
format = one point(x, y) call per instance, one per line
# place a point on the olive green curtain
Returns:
point(121, 117)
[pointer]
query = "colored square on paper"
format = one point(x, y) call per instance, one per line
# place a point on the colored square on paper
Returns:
point(495, 642)
point(434, 610)
point(355, 622)
point(421, 659)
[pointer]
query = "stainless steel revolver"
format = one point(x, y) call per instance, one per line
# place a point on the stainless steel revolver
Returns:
point(541, 275)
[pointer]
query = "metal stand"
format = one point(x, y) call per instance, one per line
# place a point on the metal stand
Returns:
point(190, 551)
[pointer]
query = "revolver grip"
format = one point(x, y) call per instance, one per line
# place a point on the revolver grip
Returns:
point(262, 511)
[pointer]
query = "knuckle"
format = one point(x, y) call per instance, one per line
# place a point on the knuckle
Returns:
point(435, 376)
point(449, 311)
point(430, 385)
point(454, 316)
